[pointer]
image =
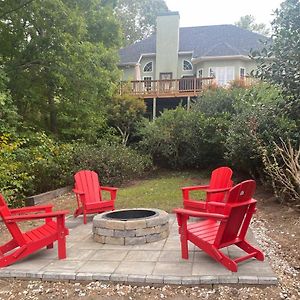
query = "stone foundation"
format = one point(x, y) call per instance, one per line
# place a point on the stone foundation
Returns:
point(131, 232)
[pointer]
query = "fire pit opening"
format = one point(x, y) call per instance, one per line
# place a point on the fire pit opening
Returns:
point(129, 214)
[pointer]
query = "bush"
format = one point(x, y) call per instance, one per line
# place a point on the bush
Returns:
point(14, 178)
point(218, 102)
point(283, 170)
point(113, 162)
point(49, 163)
point(183, 139)
point(259, 120)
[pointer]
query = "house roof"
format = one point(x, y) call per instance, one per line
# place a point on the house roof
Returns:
point(202, 41)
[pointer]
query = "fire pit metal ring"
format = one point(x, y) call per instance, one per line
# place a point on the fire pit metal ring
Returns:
point(131, 226)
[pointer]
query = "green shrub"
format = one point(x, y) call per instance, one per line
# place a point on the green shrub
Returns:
point(184, 139)
point(113, 162)
point(14, 178)
point(259, 120)
point(218, 101)
point(49, 163)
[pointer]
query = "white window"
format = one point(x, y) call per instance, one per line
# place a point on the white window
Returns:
point(147, 83)
point(242, 73)
point(223, 75)
point(200, 73)
point(148, 67)
point(187, 65)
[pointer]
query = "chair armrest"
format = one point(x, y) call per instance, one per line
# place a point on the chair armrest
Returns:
point(31, 209)
point(78, 192)
point(212, 203)
point(197, 214)
point(218, 190)
point(109, 189)
point(194, 188)
point(20, 218)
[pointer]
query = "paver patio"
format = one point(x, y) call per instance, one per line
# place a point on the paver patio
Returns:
point(159, 262)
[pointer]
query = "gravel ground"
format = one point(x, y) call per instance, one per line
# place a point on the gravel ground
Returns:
point(277, 231)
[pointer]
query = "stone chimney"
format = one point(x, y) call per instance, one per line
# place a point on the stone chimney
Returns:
point(167, 44)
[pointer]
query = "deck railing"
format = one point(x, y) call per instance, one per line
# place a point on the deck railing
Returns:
point(176, 87)
point(166, 88)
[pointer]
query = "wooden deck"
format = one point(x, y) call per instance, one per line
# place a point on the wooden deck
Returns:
point(184, 87)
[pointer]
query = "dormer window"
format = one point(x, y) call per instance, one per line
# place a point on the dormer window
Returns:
point(148, 67)
point(187, 65)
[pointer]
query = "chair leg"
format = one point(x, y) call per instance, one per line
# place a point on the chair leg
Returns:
point(223, 259)
point(244, 245)
point(61, 240)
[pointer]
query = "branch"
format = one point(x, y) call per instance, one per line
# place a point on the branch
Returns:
point(16, 8)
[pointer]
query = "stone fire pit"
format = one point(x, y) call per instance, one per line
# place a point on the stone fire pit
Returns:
point(131, 226)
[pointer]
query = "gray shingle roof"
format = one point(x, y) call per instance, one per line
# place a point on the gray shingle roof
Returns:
point(216, 40)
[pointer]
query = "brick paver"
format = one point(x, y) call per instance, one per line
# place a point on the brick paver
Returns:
point(154, 263)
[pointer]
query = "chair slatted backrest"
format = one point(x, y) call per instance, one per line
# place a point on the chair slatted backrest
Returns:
point(220, 178)
point(88, 182)
point(239, 213)
point(13, 228)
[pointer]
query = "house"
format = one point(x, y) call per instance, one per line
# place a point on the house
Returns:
point(176, 63)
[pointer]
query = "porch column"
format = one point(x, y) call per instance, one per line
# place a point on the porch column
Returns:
point(154, 109)
point(188, 103)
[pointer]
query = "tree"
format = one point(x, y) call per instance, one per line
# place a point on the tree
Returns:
point(124, 112)
point(9, 118)
point(138, 18)
point(279, 61)
point(60, 56)
point(248, 22)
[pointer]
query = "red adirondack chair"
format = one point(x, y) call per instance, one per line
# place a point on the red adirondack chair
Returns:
point(222, 230)
point(24, 244)
point(216, 190)
point(89, 194)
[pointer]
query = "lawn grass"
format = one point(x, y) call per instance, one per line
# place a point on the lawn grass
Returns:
point(161, 190)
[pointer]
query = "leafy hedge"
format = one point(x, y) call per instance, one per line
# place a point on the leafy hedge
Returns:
point(182, 139)
point(113, 162)
point(223, 126)
point(36, 164)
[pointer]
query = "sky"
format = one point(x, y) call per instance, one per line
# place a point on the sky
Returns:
point(216, 12)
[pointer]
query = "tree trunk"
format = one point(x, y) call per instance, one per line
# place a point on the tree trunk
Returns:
point(52, 113)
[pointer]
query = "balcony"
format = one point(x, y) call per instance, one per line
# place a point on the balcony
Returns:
point(184, 87)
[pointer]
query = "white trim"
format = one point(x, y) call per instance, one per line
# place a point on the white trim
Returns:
point(185, 52)
point(145, 55)
point(148, 62)
point(189, 63)
point(207, 58)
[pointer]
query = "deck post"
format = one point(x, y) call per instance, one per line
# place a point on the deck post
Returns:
point(188, 103)
point(154, 109)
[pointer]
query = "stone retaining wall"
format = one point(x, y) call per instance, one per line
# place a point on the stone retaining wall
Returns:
point(131, 232)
